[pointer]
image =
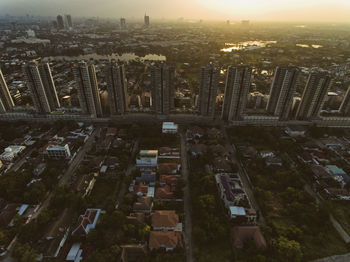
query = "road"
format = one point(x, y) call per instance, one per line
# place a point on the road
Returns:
point(243, 176)
point(128, 171)
point(64, 179)
point(69, 172)
point(337, 226)
point(187, 202)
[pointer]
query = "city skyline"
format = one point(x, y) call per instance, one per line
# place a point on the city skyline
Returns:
point(272, 10)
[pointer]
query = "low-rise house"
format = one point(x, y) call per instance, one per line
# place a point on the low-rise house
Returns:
point(112, 162)
point(168, 168)
point(305, 158)
point(248, 152)
point(167, 152)
point(58, 152)
point(273, 161)
point(134, 253)
point(230, 190)
point(168, 240)
point(147, 177)
point(266, 153)
point(236, 212)
point(104, 144)
point(310, 146)
point(10, 153)
point(198, 150)
point(320, 172)
point(136, 218)
point(214, 133)
point(74, 253)
point(147, 159)
point(141, 189)
point(111, 131)
point(194, 132)
point(295, 131)
point(222, 165)
point(39, 169)
point(169, 128)
point(243, 233)
point(87, 221)
point(338, 174)
point(8, 212)
point(143, 205)
point(165, 220)
point(164, 192)
point(219, 150)
point(320, 157)
point(167, 179)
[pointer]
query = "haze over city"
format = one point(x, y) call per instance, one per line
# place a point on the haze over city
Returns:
point(272, 10)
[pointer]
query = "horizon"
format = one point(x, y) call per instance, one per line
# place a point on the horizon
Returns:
point(313, 11)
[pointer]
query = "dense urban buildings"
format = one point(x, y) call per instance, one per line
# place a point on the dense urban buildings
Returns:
point(282, 91)
point(162, 79)
point(208, 85)
point(6, 102)
point(238, 80)
point(314, 96)
point(89, 98)
point(36, 87)
point(117, 88)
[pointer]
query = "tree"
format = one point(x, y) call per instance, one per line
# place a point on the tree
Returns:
point(287, 250)
point(25, 253)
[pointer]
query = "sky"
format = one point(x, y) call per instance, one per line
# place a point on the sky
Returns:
point(256, 10)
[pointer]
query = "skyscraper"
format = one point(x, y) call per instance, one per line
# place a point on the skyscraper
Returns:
point(122, 23)
point(162, 78)
point(60, 23)
point(49, 85)
point(345, 105)
point(146, 18)
point(117, 88)
point(6, 102)
point(238, 81)
point(282, 90)
point(69, 22)
point(208, 85)
point(89, 98)
point(36, 87)
point(314, 96)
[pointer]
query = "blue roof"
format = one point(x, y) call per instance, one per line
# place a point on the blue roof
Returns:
point(335, 170)
point(237, 211)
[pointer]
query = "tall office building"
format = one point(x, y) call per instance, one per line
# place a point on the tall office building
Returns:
point(69, 22)
point(6, 102)
point(117, 88)
point(146, 19)
point(36, 87)
point(238, 81)
point(282, 91)
point(122, 23)
point(314, 96)
point(208, 85)
point(49, 86)
point(60, 23)
point(162, 78)
point(89, 98)
point(345, 105)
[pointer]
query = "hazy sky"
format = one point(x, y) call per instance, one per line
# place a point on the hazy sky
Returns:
point(281, 10)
